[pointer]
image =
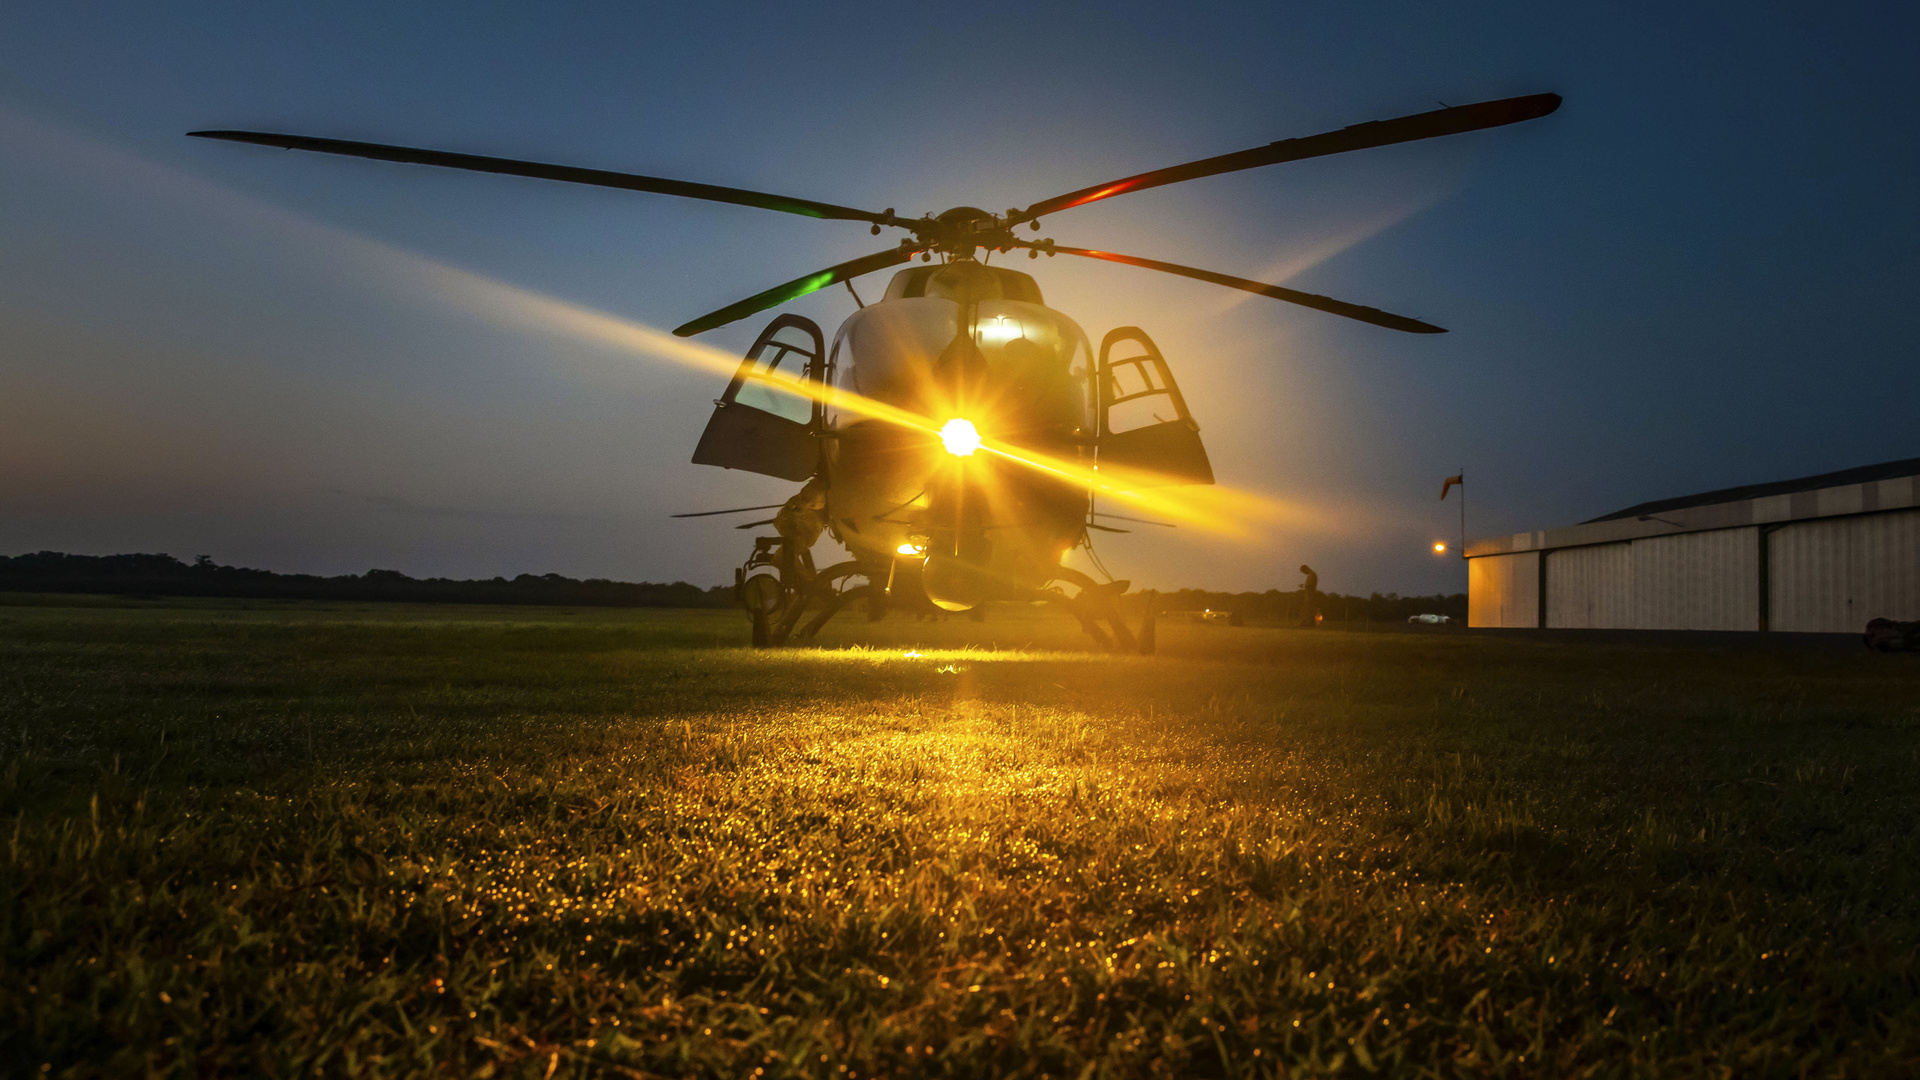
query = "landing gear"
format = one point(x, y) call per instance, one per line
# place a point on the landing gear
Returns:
point(1096, 603)
point(779, 587)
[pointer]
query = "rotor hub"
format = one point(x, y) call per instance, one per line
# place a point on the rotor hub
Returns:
point(961, 231)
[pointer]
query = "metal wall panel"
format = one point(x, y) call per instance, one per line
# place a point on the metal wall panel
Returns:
point(1504, 590)
point(1697, 581)
point(1590, 587)
point(1897, 492)
point(1831, 576)
point(1810, 577)
point(1889, 567)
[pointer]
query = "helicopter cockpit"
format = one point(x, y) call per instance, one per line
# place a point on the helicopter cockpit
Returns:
point(1031, 382)
point(964, 345)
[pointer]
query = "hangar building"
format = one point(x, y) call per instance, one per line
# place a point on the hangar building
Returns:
point(1821, 554)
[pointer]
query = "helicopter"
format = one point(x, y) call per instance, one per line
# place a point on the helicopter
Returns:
point(952, 438)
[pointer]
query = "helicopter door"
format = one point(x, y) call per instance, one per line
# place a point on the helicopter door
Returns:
point(1144, 422)
point(759, 426)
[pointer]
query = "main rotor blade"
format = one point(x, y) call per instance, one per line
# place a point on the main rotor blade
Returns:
point(1293, 296)
point(798, 287)
point(1427, 125)
point(735, 510)
point(511, 167)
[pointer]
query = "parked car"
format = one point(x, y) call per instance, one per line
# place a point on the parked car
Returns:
point(1430, 620)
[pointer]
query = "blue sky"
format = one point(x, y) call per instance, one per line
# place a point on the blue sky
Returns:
point(1698, 273)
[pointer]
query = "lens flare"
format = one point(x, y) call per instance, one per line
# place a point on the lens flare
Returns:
point(1216, 509)
point(960, 437)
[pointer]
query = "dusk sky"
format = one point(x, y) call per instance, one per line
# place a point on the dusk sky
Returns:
point(1700, 272)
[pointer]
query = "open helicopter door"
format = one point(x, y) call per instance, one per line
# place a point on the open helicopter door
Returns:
point(1136, 389)
point(759, 426)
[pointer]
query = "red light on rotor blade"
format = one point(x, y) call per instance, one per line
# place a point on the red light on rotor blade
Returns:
point(1106, 192)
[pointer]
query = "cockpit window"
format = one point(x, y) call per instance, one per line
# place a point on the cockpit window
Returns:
point(1039, 365)
point(1038, 362)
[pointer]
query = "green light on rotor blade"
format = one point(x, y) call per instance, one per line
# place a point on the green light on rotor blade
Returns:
point(812, 284)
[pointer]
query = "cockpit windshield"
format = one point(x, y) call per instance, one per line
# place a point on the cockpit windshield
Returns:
point(1037, 364)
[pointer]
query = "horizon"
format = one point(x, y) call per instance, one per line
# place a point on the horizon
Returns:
point(209, 562)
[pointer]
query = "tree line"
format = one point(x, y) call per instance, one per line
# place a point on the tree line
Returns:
point(164, 575)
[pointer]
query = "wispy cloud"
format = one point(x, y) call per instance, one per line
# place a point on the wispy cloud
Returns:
point(1298, 260)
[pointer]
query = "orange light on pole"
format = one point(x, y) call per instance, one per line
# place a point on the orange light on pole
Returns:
point(1457, 480)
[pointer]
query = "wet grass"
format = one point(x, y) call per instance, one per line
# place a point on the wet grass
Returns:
point(276, 839)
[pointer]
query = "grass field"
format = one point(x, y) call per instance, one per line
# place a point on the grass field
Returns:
point(278, 839)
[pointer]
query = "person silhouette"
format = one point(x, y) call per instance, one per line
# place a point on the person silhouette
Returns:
point(1309, 598)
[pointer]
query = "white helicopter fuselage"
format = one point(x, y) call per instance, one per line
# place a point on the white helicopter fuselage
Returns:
point(968, 349)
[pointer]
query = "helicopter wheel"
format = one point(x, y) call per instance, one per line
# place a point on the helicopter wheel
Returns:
point(762, 595)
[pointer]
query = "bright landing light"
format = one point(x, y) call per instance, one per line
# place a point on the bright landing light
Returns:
point(959, 437)
point(1439, 547)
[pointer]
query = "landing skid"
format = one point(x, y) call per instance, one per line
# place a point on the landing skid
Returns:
point(787, 588)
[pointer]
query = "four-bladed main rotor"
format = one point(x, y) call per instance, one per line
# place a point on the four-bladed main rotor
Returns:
point(959, 232)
